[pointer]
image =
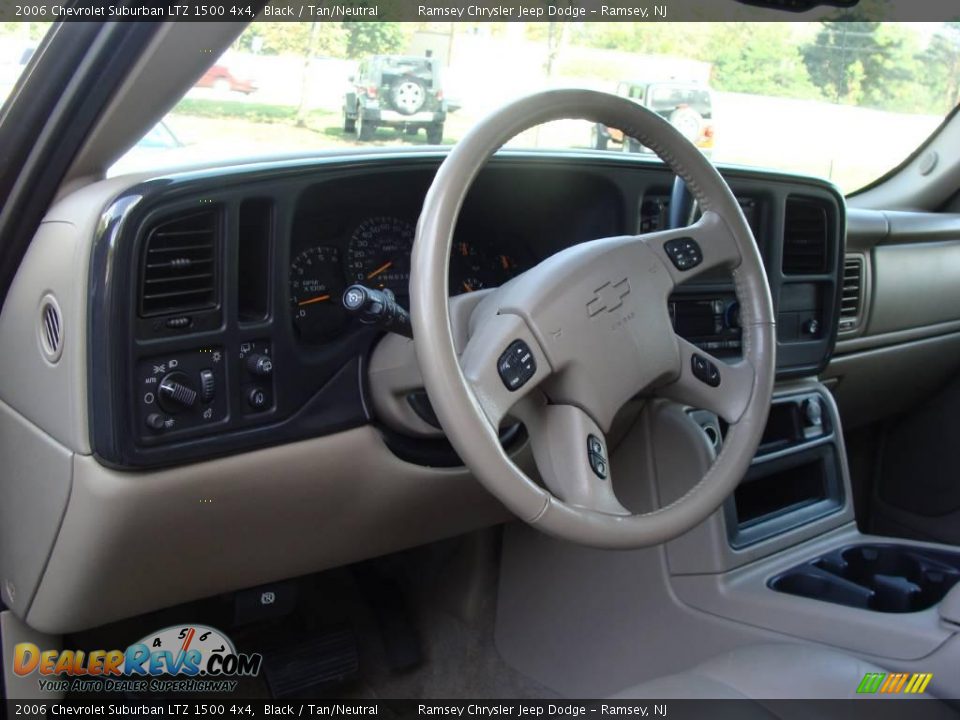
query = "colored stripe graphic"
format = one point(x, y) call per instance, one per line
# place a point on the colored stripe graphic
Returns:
point(918, 683)
point(871, 682)
point(894, 683)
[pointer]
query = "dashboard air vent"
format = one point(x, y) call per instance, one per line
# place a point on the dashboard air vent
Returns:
point(51, 329)
point(179, 269)
point(805, 238)
point(852, 298)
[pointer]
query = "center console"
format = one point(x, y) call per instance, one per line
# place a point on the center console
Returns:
point(796, 476)
point(784, 553)
point(884, 578)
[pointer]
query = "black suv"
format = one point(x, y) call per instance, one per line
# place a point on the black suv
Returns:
point(687, 106)
point(398, 91)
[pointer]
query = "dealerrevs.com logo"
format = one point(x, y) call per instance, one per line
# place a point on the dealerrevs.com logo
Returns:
point(192, 658)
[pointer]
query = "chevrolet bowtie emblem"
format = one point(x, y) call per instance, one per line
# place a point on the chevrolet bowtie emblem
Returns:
point(608, 296)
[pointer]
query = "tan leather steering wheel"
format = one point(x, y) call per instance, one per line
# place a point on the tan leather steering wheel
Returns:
point(586, 330)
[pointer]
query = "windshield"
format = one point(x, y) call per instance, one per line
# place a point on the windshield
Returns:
point(18, 41)
point(847, 101)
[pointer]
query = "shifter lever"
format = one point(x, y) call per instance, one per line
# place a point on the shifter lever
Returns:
point(377, 307)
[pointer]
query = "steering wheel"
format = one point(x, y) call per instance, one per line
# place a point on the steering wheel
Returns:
point(566, 344)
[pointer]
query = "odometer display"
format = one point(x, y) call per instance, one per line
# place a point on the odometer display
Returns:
point(379, 254)
point(316, 284)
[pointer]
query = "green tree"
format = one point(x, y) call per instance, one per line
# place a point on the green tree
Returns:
point(24, 31)
point(367, 38)
point(865, 63)
point(941, 63)
point(834, 52)
point(289, 38)
point(761, 59)
point(688, 40)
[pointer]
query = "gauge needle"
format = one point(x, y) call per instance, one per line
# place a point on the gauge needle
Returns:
point(466, 286)
point(383, 268)
point(311, 301)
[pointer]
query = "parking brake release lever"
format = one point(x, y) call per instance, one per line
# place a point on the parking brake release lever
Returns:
point(377, 307)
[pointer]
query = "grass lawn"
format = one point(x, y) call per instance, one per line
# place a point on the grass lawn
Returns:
point(251, 112)
point(266, 127)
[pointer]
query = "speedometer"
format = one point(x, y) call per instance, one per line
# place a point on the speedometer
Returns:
point(379, 254)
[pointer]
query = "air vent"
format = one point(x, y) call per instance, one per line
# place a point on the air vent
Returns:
point(50, 329)
point(805, 238)
point(179, 271)
point(852, 298)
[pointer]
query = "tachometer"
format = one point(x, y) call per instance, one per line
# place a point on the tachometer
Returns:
point(316, 284)
point(379, 254)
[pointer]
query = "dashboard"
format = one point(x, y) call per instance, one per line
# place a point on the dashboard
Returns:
point(217, 325)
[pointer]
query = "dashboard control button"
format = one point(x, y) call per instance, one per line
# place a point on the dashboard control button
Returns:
point(811, 327)
point(259, 365)
point(179, 323)
point(704, 370)
point(156, 421)
point(377, 307)
point(597, 456)
point(594, 446)
point(599, 467)
point(208, 385)
point(257, 398)
point(684, 253)
point(813, 412)
point(517, 365)
point(175, 393)
point(420, 404)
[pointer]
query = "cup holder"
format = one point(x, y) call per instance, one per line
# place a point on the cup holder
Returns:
point(883, 578)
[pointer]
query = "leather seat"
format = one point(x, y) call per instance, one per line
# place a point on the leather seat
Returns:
point(772, 672)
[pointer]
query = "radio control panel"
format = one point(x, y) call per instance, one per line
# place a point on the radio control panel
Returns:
point(711, 322)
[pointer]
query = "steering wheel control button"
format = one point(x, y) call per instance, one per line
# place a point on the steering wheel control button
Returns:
point(517, 365)
point(598, 457)
point(684, 253)
point(704, 370)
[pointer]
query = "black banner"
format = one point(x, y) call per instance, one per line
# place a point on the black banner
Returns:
point(872, 709)
point(478, 10)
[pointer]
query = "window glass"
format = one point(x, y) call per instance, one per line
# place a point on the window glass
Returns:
point(843, 100)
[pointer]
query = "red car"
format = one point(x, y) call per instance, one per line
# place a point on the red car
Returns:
point(220, 78)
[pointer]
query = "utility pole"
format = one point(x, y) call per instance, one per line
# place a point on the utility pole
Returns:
point(842, 81)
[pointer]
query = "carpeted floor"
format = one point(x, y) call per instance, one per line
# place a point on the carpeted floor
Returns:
point(447, 596)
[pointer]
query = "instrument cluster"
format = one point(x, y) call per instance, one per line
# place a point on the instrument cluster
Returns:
point(376, 253)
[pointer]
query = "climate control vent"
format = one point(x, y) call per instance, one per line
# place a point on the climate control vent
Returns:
point(805, 238)
point(179, 265)
point(852, 298)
